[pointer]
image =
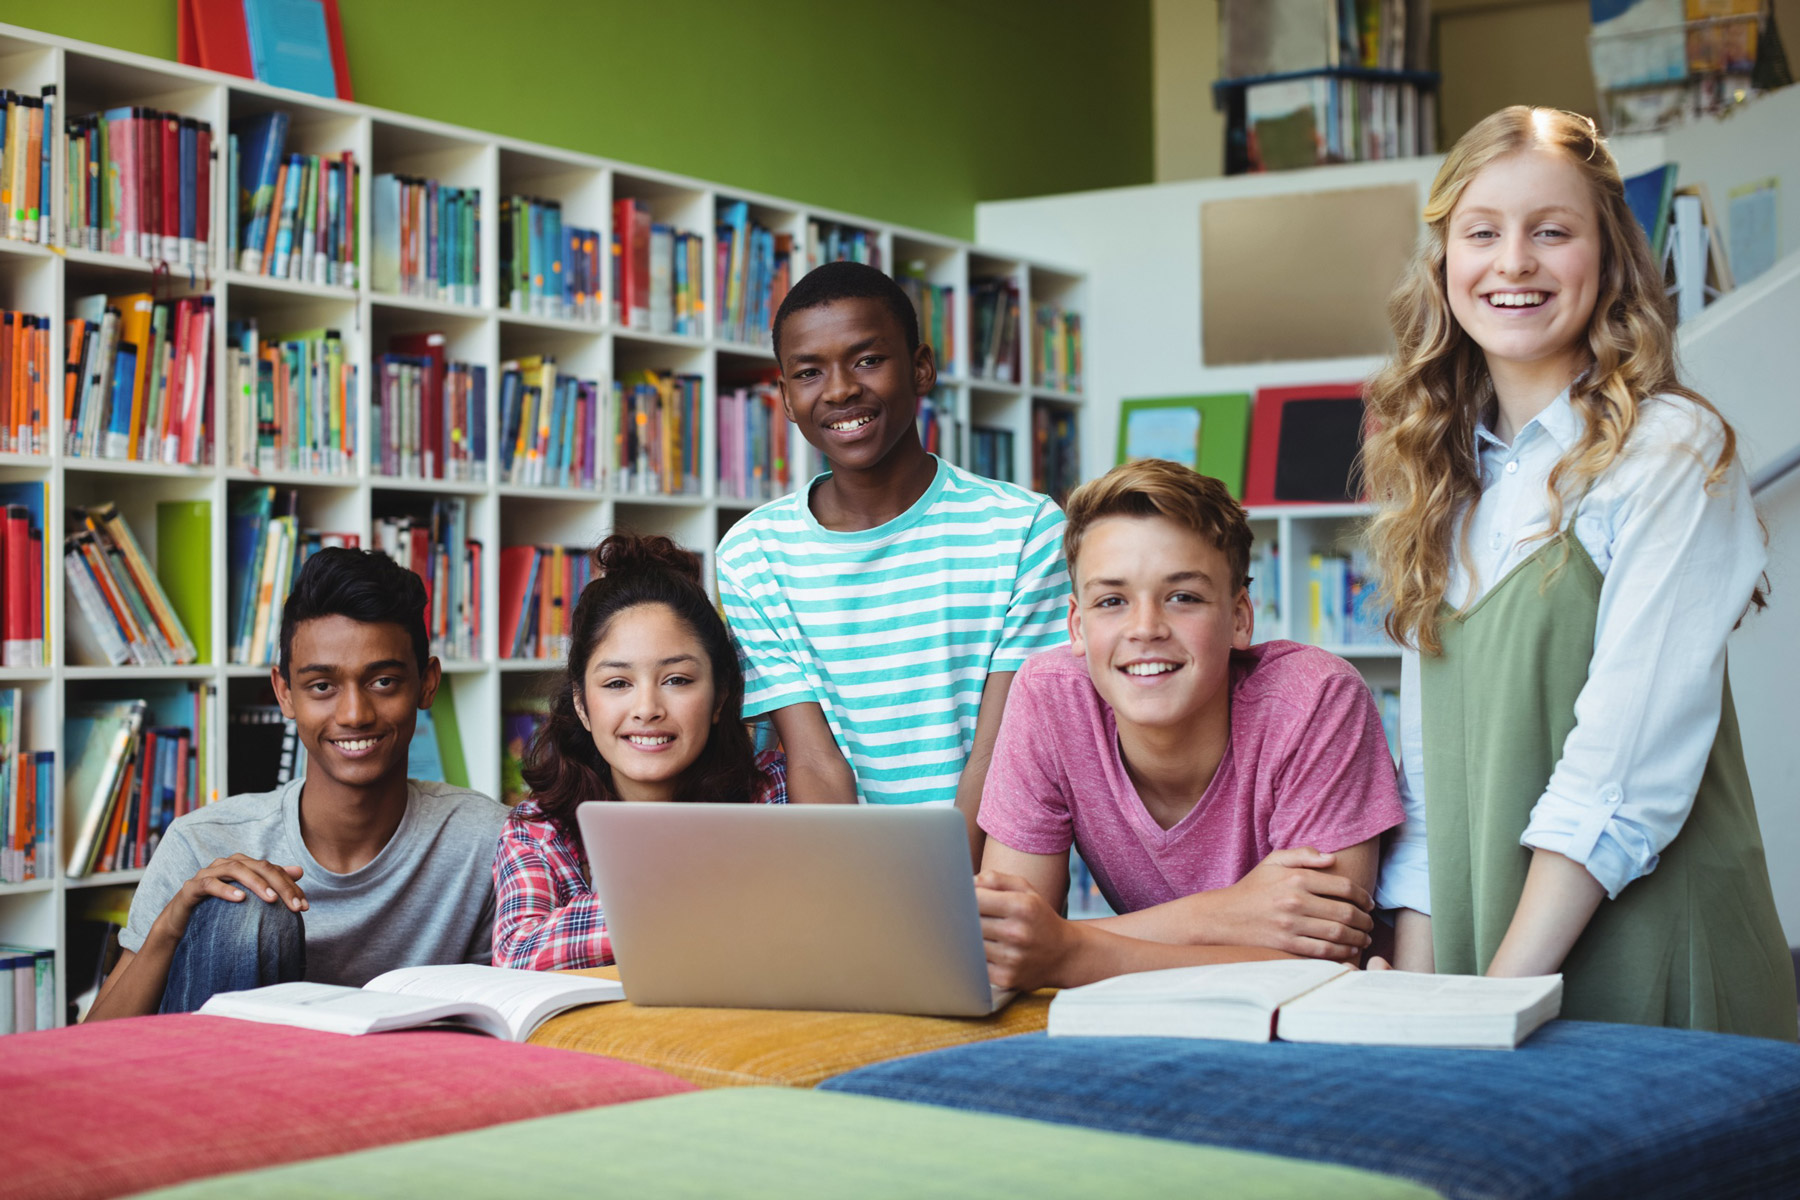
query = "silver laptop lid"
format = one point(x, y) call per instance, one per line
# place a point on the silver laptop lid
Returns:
point(826, 907)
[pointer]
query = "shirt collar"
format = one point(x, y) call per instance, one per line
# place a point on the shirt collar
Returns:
point(1558, 421)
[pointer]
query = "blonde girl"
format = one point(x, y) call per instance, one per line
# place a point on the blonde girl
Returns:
point(1566, 539)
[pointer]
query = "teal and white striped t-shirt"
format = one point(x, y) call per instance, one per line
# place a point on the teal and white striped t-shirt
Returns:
point(894, 630)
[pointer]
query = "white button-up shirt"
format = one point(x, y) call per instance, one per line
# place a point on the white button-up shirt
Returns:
point(1680, 561)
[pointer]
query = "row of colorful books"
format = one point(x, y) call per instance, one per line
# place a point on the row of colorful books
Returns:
point(656, 433)
point(131, 774)
point(24, 383)
point(936, 306)
point(828, 241)
point(658, 273)
point(27, 989)
point(125, 614)
point(265, 546)
point(754, 435)
point(427, 239)
point(27, 134)
point(539, 586)
point(547, 424)
point(429, 416)
point(27, 798)
point(137, 379)
point(1057, 341)
point(1055, 450)
point(548, 269)
point(755, 269)
point(140, 184)
point(939, 431)
point(1320, 119)
point(294, 215)
point(995, 306)
point(290, 401)
point(435, 546)
point(991, 452)
point(23, 600)
point(1343, 601)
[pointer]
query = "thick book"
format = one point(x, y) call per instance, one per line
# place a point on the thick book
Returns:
point(1307, 1001)
point(497, 1001)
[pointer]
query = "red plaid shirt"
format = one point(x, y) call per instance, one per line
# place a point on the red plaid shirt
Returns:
point(547, 917)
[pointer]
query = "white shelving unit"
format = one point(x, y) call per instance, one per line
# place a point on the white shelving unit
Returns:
point(46, 280)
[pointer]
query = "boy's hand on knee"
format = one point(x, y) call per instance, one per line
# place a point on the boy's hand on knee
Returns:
point(1027, 941)
point(233, 879)
point(1291, 902)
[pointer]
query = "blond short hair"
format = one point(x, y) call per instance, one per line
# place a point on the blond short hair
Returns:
point(1156, 487)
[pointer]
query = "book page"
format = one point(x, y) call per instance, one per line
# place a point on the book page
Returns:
point(330, 1008)
point(1393, 993)
point(523, 998)
point(1265, 985)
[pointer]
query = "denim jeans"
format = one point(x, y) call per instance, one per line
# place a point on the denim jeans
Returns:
point(233, 946)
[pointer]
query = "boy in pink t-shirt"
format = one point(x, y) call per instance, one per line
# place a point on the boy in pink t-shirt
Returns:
point(1228, 798)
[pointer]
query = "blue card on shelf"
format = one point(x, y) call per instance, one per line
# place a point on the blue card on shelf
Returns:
point(290, 46)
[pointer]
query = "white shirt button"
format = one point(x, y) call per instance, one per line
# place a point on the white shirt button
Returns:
point(1512, 468)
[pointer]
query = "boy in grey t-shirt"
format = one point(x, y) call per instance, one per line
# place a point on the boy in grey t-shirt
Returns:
point(389, 872)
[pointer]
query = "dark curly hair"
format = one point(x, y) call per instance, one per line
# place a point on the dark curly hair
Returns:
point(562, 768)
point(364, 585)
point(836, 281)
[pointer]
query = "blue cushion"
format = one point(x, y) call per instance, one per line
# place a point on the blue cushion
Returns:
point(1581, 1110)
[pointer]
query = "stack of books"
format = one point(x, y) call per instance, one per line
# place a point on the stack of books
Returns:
point(827, 241)
point(290, 401)
point(938, 428)
point(1343, 601)
point(130, 777)
point(295, 215)
point(429, 416)
point(1055, 451)
point(1056, 337)
point(658, 272)
point(996, 350)
point(24, 383)
point(140, 184)
point(138, 379)
point(549, 269)
point(656, 437)
point(436, 547)
point(27, 798)
point(265, 548)
point(124, 616)
point(753, 443)
point(427, 239)
point(23, 600)
point(991, 453)
point(547, 424)
point(539, 586)
point(27, 133)
point(755, 270)
point(936, 306)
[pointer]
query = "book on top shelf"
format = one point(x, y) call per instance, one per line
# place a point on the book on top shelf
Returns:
point(548, 269)
point(829, 241)
point(293, 216)
point(754, 271)
point(156, 199)
point(656, 437)
point(138, 379)
point(28, 135)
point(657, 273)
point(539, 586)
point(427, 239)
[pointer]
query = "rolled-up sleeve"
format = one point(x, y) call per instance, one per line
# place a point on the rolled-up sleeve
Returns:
point(1406, 866)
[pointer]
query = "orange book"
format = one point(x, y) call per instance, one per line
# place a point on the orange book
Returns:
point(268, 257)
point(116, 814)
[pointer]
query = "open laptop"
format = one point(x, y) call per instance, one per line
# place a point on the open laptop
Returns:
point(825, 907)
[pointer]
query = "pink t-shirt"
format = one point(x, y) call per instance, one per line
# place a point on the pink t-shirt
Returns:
point(1306, 766)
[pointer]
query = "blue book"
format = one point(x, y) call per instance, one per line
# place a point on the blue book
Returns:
point(568, 433)
point(509, 421)
point(45, 173)
point(118, 418)
point(478, 419)
point(554, 265)
point(189, 149)
point(245, 530)
point(290, 210)
point(537, 259)
point(290, 46)
point(259, 141)
point(384, 270)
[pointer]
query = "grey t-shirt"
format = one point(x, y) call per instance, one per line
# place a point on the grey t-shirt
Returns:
point(427, 898)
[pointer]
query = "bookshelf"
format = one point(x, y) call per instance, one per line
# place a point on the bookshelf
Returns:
point(487, 332)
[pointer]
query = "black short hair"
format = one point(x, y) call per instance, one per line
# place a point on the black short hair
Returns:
point(847, 281)
point(363, 585)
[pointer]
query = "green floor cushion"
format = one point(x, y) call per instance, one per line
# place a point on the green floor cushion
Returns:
point(794, 1144)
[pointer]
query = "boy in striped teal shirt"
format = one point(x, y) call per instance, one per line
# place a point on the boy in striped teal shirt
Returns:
point(882, 609)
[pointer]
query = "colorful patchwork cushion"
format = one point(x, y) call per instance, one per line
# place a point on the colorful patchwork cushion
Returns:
point(745, 1047)
point(120, 1106)
point(779, 1142)
point(1581, 1110)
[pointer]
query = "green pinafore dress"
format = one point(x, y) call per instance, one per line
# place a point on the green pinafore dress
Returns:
point(1696, 943)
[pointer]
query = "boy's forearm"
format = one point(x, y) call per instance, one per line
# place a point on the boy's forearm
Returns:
point(1100, 953)
point(135, 987)
point(820, 779)
point(1188, 921)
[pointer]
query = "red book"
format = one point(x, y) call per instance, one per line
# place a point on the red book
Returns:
point(168, 176)
point(146, 799)
point(196, 377)
point(17, 550)
point(182, 800)
point(1302, 453)
point(145, 179)
point(432, 441)
point(515, 578)
point(212, 34)
point(340, 62)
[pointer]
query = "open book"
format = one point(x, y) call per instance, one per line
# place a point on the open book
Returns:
point(505, 1003)
point(1309, 1001)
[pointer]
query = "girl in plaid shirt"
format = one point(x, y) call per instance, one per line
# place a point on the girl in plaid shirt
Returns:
point(647, 711)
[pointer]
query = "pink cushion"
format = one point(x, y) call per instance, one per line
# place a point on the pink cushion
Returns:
point(124, 1106)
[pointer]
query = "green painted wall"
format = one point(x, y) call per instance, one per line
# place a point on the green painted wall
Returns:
point(906, 110)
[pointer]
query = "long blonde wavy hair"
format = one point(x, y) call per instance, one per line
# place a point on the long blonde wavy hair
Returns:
point(1419, 460)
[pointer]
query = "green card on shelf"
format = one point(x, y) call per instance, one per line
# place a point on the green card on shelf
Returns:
point(1209, 434)
point(184, 566)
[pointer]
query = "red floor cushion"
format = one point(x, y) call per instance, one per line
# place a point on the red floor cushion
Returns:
point(123, 1106)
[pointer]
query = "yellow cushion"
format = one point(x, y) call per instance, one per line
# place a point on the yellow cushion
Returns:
point(749, 1047)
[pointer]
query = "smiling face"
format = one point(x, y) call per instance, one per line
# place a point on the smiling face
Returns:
point(649, 700)
point(1155, 615)
point(354, 691)
point(850, 384)
point(1522, 262)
